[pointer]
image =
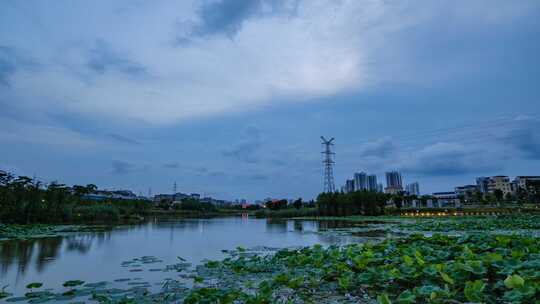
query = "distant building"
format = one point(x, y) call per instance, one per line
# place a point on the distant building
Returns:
point(521, 181)
point(360, 181)
point(500, 182)
point(196, 196)
point(446, 198)
point(349, 186)
point(372, 183)
point(482, 183)
point(413, 189)
point(168, 198)
point(380, 188)
point(393, 182)
point(467, 192)
point(180, 196)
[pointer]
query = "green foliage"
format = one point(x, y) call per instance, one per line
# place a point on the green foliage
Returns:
point(26, 201)
point(286, 213)
point(354, 203)
point(514, 281)
point(415, 269)
point(383, 299)
point(194, 205)
point(34, 285)
point(73, 283)
point(474, 223)
point(474, 290)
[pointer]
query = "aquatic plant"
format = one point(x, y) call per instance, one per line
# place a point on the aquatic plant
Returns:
point(416, 269)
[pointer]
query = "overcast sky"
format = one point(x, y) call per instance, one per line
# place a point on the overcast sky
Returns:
point(228, 98)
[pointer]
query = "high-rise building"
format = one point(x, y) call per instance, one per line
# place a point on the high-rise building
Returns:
point(349, 186)
point(360, 181)
point(380, 188)
point(393, 179)
point(372, 182)
point(413, 188)
point(393, 182)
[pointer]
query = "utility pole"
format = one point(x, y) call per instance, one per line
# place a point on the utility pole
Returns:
point(329, 186)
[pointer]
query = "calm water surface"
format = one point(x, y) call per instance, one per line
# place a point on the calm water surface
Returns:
point(94, 257)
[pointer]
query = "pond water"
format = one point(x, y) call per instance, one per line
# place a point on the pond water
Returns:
point(98, 256)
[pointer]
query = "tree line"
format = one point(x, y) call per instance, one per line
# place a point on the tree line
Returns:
point(352, 203)
point(24, 200)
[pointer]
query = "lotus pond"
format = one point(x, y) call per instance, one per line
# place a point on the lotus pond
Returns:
point(245, 260)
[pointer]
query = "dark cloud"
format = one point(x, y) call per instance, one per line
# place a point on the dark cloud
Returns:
point(171, 165)
point(258, 177)
point(447, 159)
point(226, 17)
point(383, 148)
point(7, 67)
point(103, 58)
point(526, 139)
point(248, 150)
point(124, 139)
point(10, 61)
point(122, 167)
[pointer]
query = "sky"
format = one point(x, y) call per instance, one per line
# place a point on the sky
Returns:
point(229, 98)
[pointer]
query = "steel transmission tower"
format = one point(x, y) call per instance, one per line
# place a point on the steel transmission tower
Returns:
point(329, 186)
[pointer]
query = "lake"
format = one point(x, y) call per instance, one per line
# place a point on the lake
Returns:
point(98, 256)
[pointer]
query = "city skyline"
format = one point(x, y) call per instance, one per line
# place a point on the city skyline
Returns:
point(229, 98)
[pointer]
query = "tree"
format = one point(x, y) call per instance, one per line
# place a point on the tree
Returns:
point(298, 203)
point(79, 191)
point(398, 201)
point(478, 196)
point(276, 205)
point(498, 194)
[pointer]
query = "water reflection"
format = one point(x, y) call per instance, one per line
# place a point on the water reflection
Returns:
point(98, 255)
point(276, 225)
point(21, 254)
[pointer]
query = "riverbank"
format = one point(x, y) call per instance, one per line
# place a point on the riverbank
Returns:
point(14, 231)
point(195, 213)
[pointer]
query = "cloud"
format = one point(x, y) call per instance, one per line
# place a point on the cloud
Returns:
point(226, 17)
point(285, 51)
point(382, 148)
point(7, 67)
point(171, 165)
point(447, 159)
point(122, 167)
point(248, 150)
point(525, 138)
point(123, 139)
point(102, 59)
point(258, 177)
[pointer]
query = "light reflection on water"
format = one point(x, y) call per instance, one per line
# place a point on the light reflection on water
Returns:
point(97, 256)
